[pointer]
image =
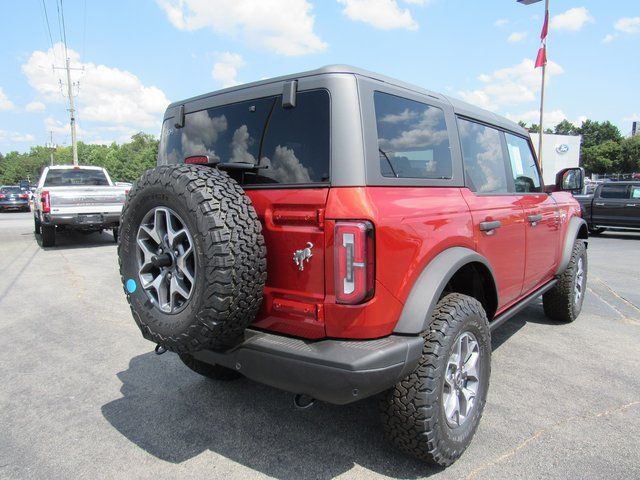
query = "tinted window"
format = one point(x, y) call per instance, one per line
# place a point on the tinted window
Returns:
point(230, 133)
point(296, 144)
point(635, 192)
point(10, 190)
point(60, 178)
point(614, 191)
point(412, 138)
point(523, 165)
point(293, 144)
point(484, 162)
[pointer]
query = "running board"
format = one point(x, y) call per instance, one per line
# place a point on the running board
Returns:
point(504, 316)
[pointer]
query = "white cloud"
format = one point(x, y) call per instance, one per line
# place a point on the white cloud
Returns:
point(608, 38)
point(550, 119)
point(517, 37)
point(382, 14)
point(509, 86)
point(284, 26)
point(630, 25)
point(16, 137)
point(35, 107)
point(572, 20)
point(417, 2)
point(501, 22)
point(5, 103)
point(634, 117)
point(225, 70)
point(107, 95)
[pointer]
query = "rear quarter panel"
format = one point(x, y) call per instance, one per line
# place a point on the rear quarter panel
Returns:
point(412, 225)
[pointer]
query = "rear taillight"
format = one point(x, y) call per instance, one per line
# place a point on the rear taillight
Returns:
point(46, 201)
point(126, 192)
point(354, 262)
point(2, 195)
point(24, 195)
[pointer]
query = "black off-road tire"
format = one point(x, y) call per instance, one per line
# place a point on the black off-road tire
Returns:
point(215, 372)
point(560, 302)
point(115, 233)
point(412, 412)
point(37, 226)
point(230, 257)
point(48, 233)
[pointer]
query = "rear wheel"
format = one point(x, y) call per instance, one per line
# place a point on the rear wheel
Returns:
point(48, 235)
point(563, 302)
point(115, 234)
point(36, 225)
point(434, 412)
point(215, 372)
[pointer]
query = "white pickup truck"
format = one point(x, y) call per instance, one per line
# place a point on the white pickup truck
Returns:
point(79, 198)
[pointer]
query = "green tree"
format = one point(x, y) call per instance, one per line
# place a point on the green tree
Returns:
point(630, 154)
point(565, 127)
point(596, 133)
point(602, 158)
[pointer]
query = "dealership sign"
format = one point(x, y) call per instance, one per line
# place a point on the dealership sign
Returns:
point(562, 149)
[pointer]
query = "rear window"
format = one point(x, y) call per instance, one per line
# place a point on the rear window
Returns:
point(412, 139)
point(614, 191)
point(290, 145)
point(10, 190)
point(61, 178)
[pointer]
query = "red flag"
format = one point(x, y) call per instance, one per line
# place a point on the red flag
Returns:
point(541, 59)
point(545, 26)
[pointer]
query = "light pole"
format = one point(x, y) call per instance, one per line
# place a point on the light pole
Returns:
point(541, 61)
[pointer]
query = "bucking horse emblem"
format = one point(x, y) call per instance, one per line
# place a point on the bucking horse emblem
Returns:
point(301, 256)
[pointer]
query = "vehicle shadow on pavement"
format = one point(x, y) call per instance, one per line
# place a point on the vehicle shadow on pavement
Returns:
point(533, 313)
point(72, 240)
point(175, 415)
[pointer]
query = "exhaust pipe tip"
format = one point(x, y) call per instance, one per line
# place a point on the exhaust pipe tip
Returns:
point(303, 402)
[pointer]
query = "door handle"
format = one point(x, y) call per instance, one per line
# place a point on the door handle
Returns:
point(598, 204)
point(534, 219)
point(490, 227)
point(631, 204)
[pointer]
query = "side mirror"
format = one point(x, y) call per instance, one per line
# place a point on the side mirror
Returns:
point(570, 180)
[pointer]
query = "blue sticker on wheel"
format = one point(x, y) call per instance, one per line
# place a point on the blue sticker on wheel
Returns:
point(131, 285)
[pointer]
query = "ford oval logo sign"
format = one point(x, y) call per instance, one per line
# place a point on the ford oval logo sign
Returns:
point(564, 148)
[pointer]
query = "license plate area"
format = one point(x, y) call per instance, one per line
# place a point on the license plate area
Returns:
point(89, 219)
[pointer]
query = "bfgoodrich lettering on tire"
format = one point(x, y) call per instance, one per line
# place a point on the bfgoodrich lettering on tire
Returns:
point(563, 302)
point(434, 412)
point(192, 257)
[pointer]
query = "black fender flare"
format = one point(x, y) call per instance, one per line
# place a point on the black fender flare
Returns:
point(577, 229)
point(427, 289)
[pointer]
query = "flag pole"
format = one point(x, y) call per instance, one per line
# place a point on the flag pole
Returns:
point(544, 72)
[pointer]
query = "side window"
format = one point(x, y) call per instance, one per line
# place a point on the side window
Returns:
point(635, 192)
point(614, 191)
point(523, 165)
point(413, 141)
point(296, 146)
point(484, 162)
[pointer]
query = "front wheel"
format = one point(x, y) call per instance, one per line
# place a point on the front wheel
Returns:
point(563, 302)
point(434, 412)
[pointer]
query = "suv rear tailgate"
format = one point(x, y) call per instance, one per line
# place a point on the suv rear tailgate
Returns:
point(65, 200)
point(294, 295)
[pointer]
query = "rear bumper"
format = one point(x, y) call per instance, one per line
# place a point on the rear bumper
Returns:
point(11, 205)
point(83, 221)
point(334, 371)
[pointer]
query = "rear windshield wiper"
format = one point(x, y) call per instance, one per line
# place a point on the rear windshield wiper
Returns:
point(240, 166)
point(393, 170)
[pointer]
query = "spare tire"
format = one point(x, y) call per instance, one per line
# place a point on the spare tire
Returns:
point(192, 257)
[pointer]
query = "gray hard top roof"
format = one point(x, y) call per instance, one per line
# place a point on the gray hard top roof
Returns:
point(460, 107)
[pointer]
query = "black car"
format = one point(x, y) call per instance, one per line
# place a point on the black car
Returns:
point(13, 198)
point(612, 205)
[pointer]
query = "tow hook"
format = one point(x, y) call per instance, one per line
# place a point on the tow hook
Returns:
point(160, 349)
point(302, 401)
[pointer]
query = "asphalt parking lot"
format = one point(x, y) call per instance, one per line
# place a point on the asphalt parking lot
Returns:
point(84, 396)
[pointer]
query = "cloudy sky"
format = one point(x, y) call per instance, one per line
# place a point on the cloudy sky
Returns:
point(134, 57)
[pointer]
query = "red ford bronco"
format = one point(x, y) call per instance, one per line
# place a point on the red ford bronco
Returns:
point(340, 234)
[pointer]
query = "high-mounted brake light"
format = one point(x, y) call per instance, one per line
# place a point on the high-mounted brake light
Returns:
point(197, 160)
point(46, 201)
point(354, 262)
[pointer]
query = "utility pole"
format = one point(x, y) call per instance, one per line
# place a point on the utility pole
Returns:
point(72, 111)
point(51, 146)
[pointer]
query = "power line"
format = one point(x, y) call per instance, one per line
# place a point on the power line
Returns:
point(64, 28)
point(46, 16)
